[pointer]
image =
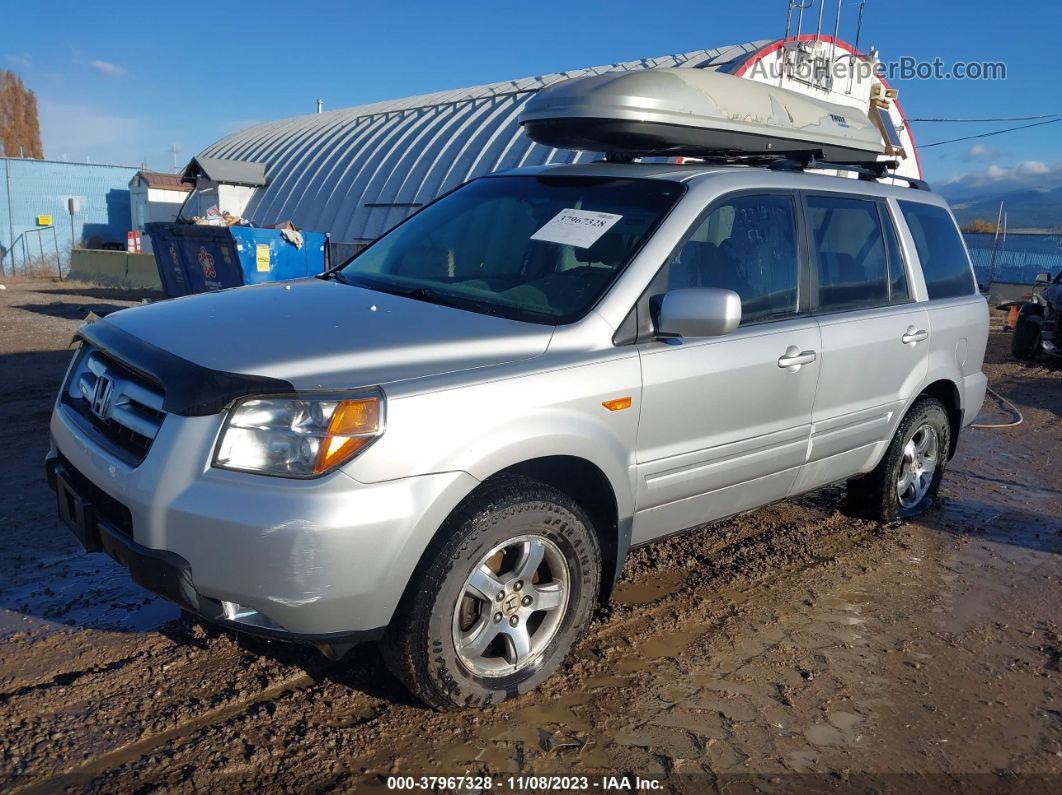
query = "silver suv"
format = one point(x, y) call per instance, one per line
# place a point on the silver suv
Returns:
point(450, 442)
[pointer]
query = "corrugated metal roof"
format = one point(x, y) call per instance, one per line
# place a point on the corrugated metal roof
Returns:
point(358, 171)
point(232, 171)
point(163, 181)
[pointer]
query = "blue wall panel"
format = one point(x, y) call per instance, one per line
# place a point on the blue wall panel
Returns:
point(41, 187)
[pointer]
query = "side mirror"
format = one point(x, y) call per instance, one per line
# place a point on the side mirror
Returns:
point(698, 312)
point(1043, 278)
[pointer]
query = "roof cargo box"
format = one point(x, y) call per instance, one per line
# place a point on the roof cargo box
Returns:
point(695, 111)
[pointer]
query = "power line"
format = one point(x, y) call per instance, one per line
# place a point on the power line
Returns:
point(989, 134)
point(997, 118)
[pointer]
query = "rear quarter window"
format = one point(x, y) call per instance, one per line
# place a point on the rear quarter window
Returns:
point(944, 262)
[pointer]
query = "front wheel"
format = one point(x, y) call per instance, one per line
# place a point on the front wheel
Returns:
point(906, 481)
point(504, 593)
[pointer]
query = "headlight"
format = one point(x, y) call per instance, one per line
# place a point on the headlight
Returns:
point(298, 437)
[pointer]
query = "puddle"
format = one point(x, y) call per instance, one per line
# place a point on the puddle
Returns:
point(607, 681)
point(824, 734)
point(671, 644)
point(649, 589)
point(845, 721)
point(660, 647)
point(555, 712)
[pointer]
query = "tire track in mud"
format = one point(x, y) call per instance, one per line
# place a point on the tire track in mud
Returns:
point(67, 678)
point(81, 775)
point(167, 690)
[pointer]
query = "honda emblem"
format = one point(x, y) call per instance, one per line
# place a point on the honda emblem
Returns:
point(101, 396)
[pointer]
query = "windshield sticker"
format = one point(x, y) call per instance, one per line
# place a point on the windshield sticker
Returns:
point(579, 228)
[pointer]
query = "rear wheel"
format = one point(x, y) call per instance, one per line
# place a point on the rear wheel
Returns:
point(505, 592)
point(1026, 335)
point(906, 481)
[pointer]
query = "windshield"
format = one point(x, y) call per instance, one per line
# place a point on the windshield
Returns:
point(537, 248)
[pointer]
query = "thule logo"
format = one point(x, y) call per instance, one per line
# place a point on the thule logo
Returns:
point(101, 396)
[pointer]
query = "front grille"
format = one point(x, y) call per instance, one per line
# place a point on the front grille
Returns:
point(107, 508)
point(123, 409)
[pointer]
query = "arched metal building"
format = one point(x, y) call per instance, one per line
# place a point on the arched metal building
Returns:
point(358, 171)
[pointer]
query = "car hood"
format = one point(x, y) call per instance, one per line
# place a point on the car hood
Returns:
point(320, 334)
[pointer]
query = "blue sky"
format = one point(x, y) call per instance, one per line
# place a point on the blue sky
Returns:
point(121, 82)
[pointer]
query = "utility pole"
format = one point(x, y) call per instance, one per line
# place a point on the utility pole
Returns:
point(995, 247)
point(10, 218)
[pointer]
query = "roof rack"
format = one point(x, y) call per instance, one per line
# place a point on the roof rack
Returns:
point(870, 171)
point(802, 160)
point(718, 156)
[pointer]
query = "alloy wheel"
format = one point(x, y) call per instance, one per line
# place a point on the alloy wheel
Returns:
point(511, 606)
point(921, 455)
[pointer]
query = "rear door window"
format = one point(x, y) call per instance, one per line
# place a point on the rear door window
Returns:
point(848, 247)
point(940, 250)
point(746, 244)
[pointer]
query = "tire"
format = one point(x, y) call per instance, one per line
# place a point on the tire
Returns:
point(431, 644)
point(1026, 336)
point(882, 495)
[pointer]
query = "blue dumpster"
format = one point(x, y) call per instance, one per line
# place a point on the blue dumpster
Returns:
point(194, 258)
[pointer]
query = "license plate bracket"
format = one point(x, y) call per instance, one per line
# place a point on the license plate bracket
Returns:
point(77, 514)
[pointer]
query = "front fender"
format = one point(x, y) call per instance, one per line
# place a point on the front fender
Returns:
point(484, 428)
point(478, 430)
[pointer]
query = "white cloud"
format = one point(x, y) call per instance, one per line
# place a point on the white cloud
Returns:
point(1026, 175)
point(107, 68)
point(1032, 168)
point(981, 152)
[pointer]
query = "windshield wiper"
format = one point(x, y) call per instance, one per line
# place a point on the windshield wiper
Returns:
point(427, 294)
point(433, 296)
point(331, 274)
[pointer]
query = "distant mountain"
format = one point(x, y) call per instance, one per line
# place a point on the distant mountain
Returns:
point(1033, 208)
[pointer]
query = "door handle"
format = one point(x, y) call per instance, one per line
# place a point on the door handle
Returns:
point(914, 335)
point(794, 358)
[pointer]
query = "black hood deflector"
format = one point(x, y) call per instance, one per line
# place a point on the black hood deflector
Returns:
point(191, 390)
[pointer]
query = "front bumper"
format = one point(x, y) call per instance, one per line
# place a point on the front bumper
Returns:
point(324, 561)
point(169, 575)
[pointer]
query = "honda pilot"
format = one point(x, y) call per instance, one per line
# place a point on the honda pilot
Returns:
point(450, 443)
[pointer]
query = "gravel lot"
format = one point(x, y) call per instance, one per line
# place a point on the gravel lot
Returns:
point(789, 648)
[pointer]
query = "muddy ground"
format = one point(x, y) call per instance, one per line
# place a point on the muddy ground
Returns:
point(789, 649)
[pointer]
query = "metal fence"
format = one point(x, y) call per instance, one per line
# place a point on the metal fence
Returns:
point(35, 252)
point(1016, 259)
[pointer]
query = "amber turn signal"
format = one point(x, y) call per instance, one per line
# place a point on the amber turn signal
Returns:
point(354, 424)
point(617, 404)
